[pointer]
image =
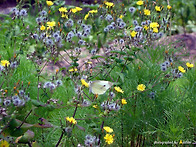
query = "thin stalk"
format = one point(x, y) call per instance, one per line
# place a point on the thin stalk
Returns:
point(24, 119)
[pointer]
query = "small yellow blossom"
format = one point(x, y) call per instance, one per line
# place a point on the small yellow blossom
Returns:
point(109, 4)
point(93, 11)
point(189, 65)
point(78, 9)
point(108, 129)
point(141, 87)
point(49, 3)
point(42, 28)
point(146, 12)
point(4, 143)
point(71, 120)
point(157, 8)
point(146, 27)
point(84, 83)
point(181, 69)
point(155, 30)
point(123, 101)
point(121, 16)
point(63, 9)
point(89, 62)
point(51, 24)
point(109, 139)
point(118, 89)
point(140, 3)
point(64, 15)
point(5, 63)
point(169, 7)
point(73, 69)
point(154, 25)
point(95, 106)
point(73, 10)
point(180, 142)
point(133, 33)
point(86, 16)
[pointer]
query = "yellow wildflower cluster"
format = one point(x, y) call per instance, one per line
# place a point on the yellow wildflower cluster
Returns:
point(154, 26)
point(90, 12)
point(109, 4)
point(181, 69)
point(63, 10)
point(141, 87)
point(4, 143)
point(158, 9)
point(133, 33)
point(140, 3)
point(71, 120)
point(189, 65)
point(51, 24)
point(123, 101)
point(76, 9)
point(146, 12)
point(5, 63)
point(49, 3)
point(118, 89)
point(73, 69)
point(84, 83)
point(109, 139)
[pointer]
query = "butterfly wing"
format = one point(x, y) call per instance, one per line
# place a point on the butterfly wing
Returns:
point(100, 87)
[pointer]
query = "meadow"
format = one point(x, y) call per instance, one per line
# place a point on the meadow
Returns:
point(94, 75)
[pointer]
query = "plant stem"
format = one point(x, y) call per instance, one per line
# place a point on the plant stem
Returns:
point(59, 141)
point(24, 119)
point(100, 134)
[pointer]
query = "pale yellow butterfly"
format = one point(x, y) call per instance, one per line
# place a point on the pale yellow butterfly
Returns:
point(99, 87)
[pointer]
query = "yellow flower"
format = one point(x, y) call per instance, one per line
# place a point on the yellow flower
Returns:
point(95, 106)
point(71, 120)
point(108, 129)
point(42, 28)
point(84, 83)
point(121, 16)
point(140, 3)
point(181, 69)
point(123, 101)
point(146, 12)
point(118, 89)
point(157, 8)
point(133, 33)
point(146, 27)
point(189, 65)
point(4, 143)
point(73, 69)
point(155, 30)
point(64, 15)
point(62, 9)
point(109, 4)
point(86, 16)
point(141, 87)
point(154, 25)
point(180, 142)
point(109, 139)
point(5, 63)
point(74, 10)
point(78, 9)
point(49, 3)
point(169, 7)
point(93, 11)
point(51, 24)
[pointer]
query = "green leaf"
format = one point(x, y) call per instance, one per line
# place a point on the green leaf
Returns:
point(121, 75)
point(27, 137)
point(119, 52)
point(97, 56)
